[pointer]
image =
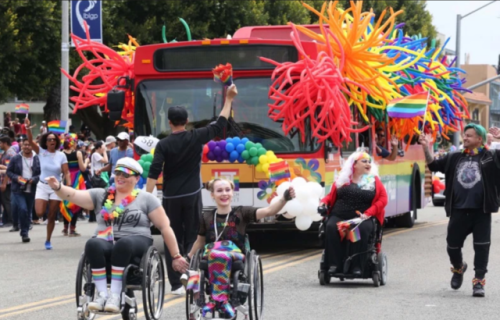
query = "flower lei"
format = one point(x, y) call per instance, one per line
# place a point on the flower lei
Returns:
point(474, 151)
point(106, 210)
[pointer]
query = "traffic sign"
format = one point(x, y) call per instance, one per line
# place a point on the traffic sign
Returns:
point(89, 11)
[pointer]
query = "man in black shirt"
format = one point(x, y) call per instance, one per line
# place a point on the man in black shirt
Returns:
point(472, 183)
point(179, 155)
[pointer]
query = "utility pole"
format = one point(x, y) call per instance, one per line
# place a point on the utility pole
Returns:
point(65, 60)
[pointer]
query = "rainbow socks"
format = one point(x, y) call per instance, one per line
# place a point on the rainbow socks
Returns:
point(116, 279)
point(99, 277)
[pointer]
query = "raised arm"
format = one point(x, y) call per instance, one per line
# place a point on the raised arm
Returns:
point(79, 197)
point(394, 151)
point(34, 145)
point(274, 208)
point(82, 164)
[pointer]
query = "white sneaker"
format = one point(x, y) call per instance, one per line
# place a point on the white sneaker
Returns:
point(113, 304)
point(179, 292)
point(184, 279)
point(99, 302)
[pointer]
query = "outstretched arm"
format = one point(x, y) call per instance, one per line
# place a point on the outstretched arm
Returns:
point(274, 208)
point(34, 145)
point(79, 197)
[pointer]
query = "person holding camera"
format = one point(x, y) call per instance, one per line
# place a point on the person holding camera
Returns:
point(24, 172)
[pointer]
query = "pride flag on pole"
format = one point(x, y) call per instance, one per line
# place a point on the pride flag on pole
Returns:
point(57, 126)
point(23, 108)
point(408, 107)
point(279, 171)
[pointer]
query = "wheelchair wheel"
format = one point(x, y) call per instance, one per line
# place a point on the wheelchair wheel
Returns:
point(256, 299)
point(193, 312)
point(376, 279)
point(83, 277)
point(126, 308)
point(323, 277)
point(153, 284)
point(382, 268)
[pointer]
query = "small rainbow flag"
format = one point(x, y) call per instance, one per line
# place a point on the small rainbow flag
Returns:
point(23, 108)
point(65, 210)
point(279, 171)
point(57, 126)
point(22, 181)
point(106, 234)
point(408, 107)
point(223, 74)
point(354, 234)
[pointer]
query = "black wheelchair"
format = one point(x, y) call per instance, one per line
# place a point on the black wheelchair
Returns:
point(247, 288)
point(375, 268)
point(146, 275)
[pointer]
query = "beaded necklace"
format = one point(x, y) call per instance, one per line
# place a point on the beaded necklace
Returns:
point(107, 213)
point(474, 151)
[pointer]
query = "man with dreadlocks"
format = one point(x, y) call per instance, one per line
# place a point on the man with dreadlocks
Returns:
point(472, 183)
point(179, 156)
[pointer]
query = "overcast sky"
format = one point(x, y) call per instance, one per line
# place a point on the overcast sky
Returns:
point(480, 34)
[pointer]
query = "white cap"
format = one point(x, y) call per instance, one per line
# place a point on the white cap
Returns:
point(130, 164)
point(123, 136)
point(109, 139)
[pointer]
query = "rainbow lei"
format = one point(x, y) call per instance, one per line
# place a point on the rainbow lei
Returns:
point(106, 210)
point(474, 151)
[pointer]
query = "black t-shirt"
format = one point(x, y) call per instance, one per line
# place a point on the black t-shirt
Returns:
point(468, 191)
point(234, 229)
point(179, 155)
point(352, 198)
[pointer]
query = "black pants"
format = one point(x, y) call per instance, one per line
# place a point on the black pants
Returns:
point(462, 223)
point(7, 212)
point(100, 252)
point(336, 250)
point(184, 214)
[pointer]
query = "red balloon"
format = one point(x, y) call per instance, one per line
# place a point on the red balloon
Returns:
point(205, 158)
point(205, 149)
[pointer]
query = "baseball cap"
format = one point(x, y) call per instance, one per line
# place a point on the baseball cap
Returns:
point(123, 136)
point(177, 113)
point(128, 163)
point(109, 139)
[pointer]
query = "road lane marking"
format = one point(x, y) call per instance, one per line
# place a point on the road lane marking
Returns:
point(35, 303)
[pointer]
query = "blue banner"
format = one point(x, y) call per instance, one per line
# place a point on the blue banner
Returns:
point(90, 12)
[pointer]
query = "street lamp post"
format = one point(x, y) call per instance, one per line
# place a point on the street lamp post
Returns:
point(456, 135)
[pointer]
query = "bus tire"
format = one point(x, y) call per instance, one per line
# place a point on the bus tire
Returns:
point(407, 220)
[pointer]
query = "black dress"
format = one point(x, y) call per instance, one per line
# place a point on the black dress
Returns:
point(350, 198)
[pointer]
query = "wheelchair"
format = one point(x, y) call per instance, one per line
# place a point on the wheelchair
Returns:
point(146, 274)
point(375, 267)
point(247, 288)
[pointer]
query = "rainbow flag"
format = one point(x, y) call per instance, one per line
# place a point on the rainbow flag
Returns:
point(68, 208)
point(106, 234)
point(354, 234)
point(279, 171)
point(223, 74)
point(22, 181)
point(23, 108)
point(57, 126)
point(408, 107)
point(65, 211)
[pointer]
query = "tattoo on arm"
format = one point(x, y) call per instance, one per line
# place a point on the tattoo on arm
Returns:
point(428, 157)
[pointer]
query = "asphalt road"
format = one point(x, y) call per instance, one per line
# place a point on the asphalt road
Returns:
point(39, 284)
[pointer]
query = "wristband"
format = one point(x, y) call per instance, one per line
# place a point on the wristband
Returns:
point(177, 256)
point(60, 186)
point(287, 195)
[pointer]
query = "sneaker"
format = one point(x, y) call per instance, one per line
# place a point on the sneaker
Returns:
point(458, 276)
point(113, 303)
point(14, 229)
point(179, 291)
point(57, 221)
point(48, 246)
point(73, 233)
point(26, 239)
point(99, 302)
point(45, 222)
point(478, 287)
point(184, 279)
point(64, 232)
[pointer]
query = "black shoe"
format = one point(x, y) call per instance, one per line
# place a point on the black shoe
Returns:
point(14, 229)
point(356, 272)
point(458, 276)
point(26, 239)
point(332, 270)
point(478, 287)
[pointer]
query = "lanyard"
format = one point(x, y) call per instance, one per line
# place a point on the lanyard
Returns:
point(217, 235)
point(26, 162)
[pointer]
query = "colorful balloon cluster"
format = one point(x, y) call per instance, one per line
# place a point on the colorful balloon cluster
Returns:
point(145, 162)
point(240, 150)
point(365, 65)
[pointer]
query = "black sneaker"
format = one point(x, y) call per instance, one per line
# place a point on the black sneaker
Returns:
point(26, 239)
point(14, 229)
point(458, 276)
point(478, 287)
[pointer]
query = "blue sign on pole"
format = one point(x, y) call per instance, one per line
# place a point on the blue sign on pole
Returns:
point(90, 12)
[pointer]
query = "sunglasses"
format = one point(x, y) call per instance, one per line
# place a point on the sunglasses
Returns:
point(51, 139)
point(381, 135)
point(124, 174)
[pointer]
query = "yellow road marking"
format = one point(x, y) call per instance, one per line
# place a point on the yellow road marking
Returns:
point(22, 306)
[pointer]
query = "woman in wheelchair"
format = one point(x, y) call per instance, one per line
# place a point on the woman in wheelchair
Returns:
point(223, 230)
point(357, 192)
point(123, 229)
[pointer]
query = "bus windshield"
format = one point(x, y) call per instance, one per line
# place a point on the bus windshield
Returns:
point(203, 100)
